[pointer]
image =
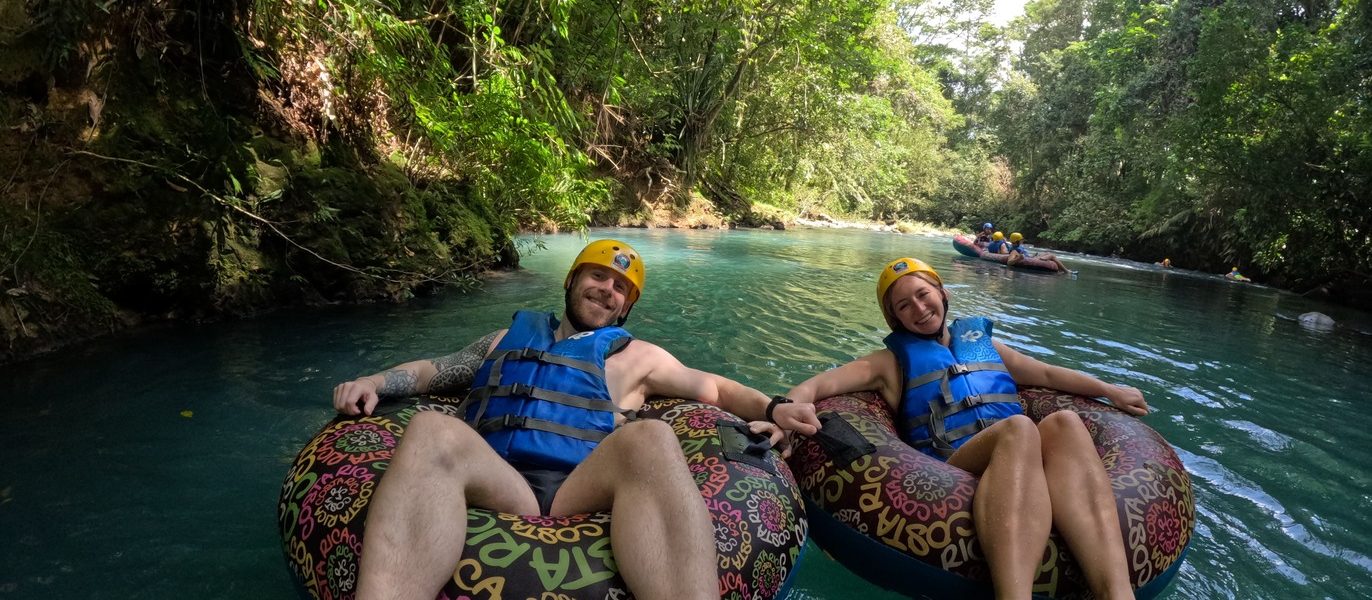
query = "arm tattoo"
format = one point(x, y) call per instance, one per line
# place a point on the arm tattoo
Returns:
point(457, 370)
point(397, 383)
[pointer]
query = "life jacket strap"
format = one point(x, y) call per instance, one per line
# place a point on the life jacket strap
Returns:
point(941, 406)
point(961, 368)
point(544, 356)
point(943, 447)
point(492, 386)
point(961, 405)
point(938, 438)
point(556, 397)
point(521, 422)
point(956, 369)
point(926, 378)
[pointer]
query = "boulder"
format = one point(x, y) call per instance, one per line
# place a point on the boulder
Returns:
point(1316, 320)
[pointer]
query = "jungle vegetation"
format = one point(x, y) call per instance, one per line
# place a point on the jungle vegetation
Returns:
point(167, 158)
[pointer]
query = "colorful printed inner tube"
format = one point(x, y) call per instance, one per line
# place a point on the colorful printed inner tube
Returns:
point(758, 514)
point(967, 246)
point(904, 521)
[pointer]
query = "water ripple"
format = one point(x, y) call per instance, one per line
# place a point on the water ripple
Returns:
point(1221, 480)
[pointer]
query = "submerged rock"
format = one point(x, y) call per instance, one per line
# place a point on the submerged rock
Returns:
point(1316, 320)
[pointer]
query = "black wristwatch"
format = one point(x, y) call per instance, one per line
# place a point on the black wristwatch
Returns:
point(776, 400)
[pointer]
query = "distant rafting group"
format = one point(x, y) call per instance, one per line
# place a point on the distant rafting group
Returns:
point(991, 245)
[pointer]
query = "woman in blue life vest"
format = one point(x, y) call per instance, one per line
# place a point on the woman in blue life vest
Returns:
point(998, 244)
point(953, 389)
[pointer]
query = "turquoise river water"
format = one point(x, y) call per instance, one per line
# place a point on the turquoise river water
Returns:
point(110, 489)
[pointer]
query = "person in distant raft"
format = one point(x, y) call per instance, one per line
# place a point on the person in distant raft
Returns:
point(984, 236)
point(1235, 275)
point(1018, 252)
point(953, 389)
point(998, 244)
point(543, 431)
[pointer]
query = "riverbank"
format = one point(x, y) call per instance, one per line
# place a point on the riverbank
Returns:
point(71, 304)
point(702, 214)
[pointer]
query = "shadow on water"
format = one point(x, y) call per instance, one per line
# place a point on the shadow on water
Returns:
point(148, 464)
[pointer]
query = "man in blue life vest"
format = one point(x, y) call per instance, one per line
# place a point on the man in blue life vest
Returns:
point(544, 431)
point(1018, 252)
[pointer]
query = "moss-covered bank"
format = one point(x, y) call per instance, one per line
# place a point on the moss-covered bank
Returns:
point(148, 174)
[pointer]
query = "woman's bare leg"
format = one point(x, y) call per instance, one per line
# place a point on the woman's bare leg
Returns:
point(1083, 504)
point(1011, 508)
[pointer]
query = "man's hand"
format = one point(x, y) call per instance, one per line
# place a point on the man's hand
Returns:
point(797, 416)
point(778, 437)
point(1128, 399)
point(355, 397)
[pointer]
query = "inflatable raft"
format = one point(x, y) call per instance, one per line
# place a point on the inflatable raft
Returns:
point(758, 514)
point(967, 246)
point(903, 520)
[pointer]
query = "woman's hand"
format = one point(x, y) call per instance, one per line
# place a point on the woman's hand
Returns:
point(780, 439)
point(1128, 399)
point(797, 416)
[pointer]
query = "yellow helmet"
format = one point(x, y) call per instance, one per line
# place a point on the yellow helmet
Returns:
point(616, 255)
point(1015, 237)
point(998, 236)
point(896, 269)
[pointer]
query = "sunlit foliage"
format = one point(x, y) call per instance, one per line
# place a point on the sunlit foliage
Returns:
point(1216, 133)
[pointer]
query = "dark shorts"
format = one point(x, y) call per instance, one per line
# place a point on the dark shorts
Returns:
point(544, 483)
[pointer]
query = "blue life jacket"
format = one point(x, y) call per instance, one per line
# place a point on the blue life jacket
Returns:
point(1022, 250)
point(950, 394)
point(995, 246)
point(542, 403)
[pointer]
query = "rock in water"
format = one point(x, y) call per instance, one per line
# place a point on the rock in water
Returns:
point(1316, 320)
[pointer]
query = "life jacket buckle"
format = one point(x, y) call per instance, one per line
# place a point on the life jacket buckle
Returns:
point(512, 421)
point(521, 389)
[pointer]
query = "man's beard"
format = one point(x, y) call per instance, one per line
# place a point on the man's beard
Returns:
point(579, 322)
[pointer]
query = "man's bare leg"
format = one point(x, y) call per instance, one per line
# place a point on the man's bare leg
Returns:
point(662, 536)
point(417, 524)
point(1062, 268)
point(1083, 504)
point(1011, 508)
